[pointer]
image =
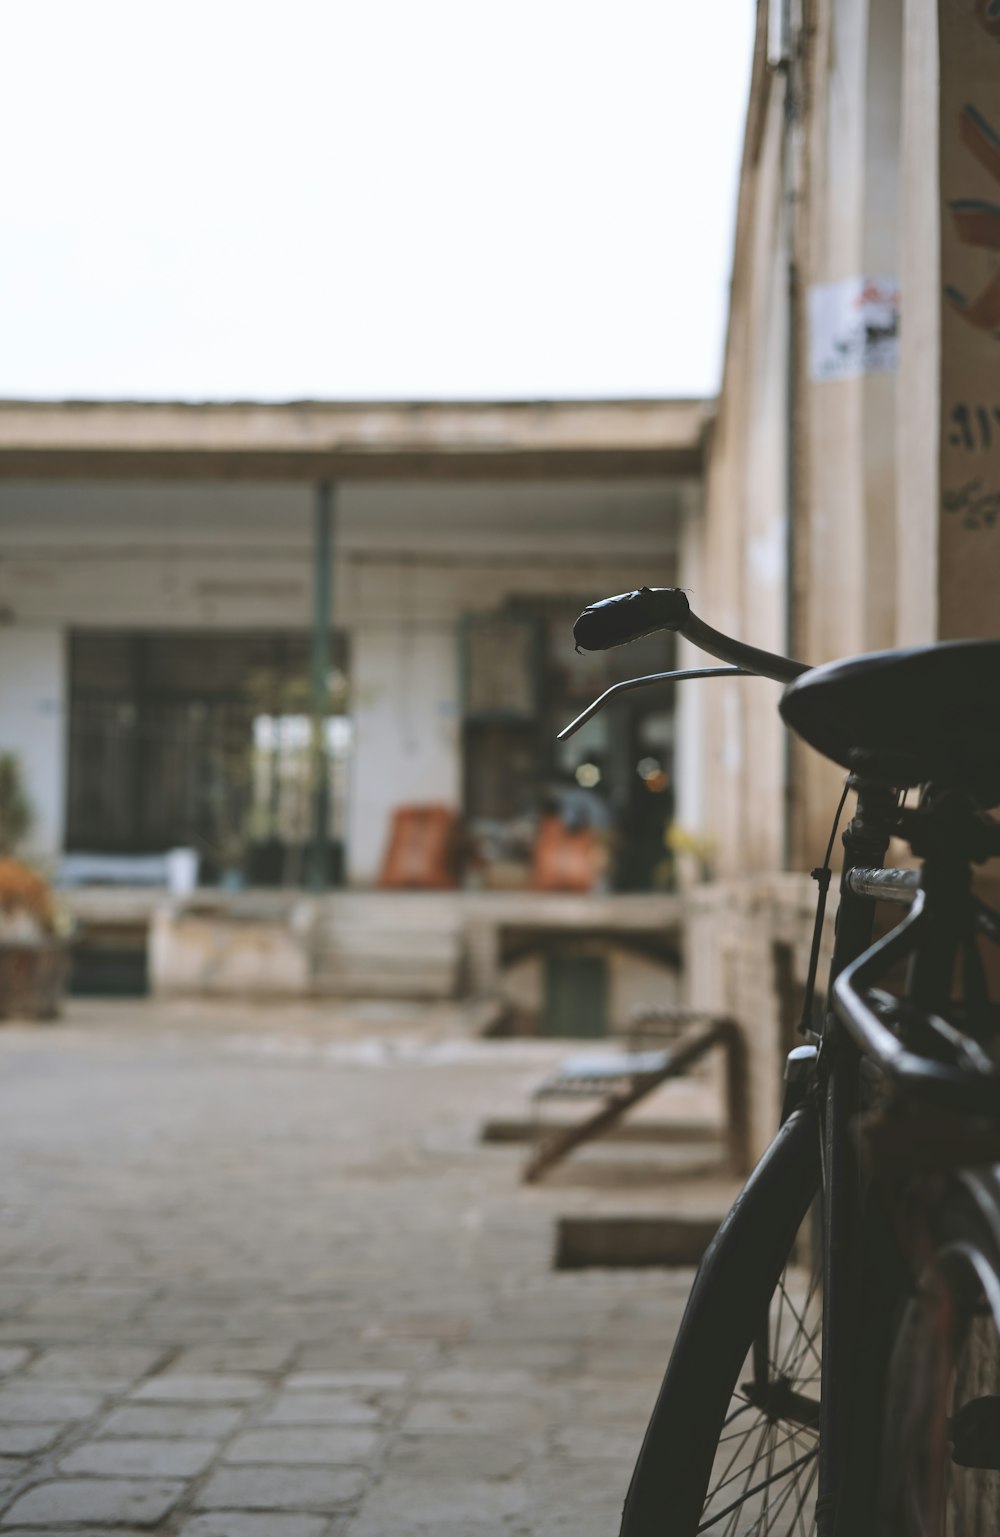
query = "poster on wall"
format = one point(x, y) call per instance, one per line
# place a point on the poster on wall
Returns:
point(970, 313)
point(853, 328)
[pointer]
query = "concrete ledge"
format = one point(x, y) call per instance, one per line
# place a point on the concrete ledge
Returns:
point(356, 440)
point(632, 1242)
point(241, 950)
point(520, 1131)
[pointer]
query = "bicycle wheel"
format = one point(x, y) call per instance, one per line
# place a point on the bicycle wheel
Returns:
point(941, 1470)
point(732, 1445)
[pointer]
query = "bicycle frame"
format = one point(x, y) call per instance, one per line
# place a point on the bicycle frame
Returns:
point(929, 936)
point(866, 840)
point(942, 911)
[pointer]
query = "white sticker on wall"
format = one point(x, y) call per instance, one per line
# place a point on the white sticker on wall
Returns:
point(853, 328)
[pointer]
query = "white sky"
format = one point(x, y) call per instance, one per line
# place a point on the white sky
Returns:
point(367, 198)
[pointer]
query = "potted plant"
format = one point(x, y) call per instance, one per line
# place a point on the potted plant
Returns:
point(33, 959)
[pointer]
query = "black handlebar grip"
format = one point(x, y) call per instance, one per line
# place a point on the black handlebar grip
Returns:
point(616, 621)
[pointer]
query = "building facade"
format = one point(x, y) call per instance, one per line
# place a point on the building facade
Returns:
point(854, 473)
point(167, 573)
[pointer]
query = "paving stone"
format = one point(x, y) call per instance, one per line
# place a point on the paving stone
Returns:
point(415, 1503)
point(464, 1456)
point(235, 1523)
point(34, 1403)
point(602, 1517)
point(347, 1354)
point(534, 1355)
point(201, 1389)
point(195, 1264)
point(304, 1444)
point(141, 1459)
point(62, 1531)
point(276, 1488)
point(471, 1414)
point(445, 1329)
point(462, 1382)
point(585, 1443)
point(376, 1526)
point(24, 1440)
point(89, 1500)
point(168, 1420)
point(259, 1356)
point(360, 1381)
point(111, 1364)
point(321, 1409)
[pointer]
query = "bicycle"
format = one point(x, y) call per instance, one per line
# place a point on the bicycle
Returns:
point(837, 1368)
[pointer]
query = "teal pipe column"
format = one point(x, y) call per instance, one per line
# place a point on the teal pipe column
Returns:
point(323, 533)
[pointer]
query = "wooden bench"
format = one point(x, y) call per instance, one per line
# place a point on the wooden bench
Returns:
point(620, 1080)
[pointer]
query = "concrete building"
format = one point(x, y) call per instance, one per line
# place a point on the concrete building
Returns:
point(853, 482)
point(157, 562)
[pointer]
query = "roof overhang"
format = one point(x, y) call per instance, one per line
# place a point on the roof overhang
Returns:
point(322, 440)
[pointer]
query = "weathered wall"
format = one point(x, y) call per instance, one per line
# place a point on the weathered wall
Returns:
point(969, 162)
point(832, 190)
point(854, 160)
point(747, 957)
point(744, 565)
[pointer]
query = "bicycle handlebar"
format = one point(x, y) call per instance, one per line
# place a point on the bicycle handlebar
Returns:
point(630, 615)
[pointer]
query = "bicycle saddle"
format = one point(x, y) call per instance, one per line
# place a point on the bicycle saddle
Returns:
point(926, 714)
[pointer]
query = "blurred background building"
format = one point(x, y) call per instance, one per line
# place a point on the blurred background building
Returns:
point(193, 597)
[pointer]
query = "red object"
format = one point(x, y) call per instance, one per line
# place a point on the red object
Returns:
point(421, 852)
point(565, 860)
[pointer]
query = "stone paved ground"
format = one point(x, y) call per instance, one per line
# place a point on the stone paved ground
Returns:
point(258, 1278)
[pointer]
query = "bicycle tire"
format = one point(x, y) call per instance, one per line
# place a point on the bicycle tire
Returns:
point(739, 1275)
point(941, 1463)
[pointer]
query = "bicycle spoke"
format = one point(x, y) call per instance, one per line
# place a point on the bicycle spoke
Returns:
point(804, 1344)
point(724, 1479)
point(748, 1493)
point(737, 1508)
point(805, 1495)
point(767, 1427)
point(773, 1512)
point(778, 1321)
point(773, 1457)
point(801, 1322)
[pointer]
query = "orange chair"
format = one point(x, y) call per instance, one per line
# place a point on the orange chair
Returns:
point(421, 855)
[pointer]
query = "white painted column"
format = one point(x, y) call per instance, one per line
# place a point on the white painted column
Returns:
point(33, 707)
point(407, 742)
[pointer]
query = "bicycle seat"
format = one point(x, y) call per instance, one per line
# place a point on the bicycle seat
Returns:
point(926, 714)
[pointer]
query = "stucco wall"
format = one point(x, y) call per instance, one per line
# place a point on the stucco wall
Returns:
point(33, 724)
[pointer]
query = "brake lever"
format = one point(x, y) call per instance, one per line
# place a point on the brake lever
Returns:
point(652, 677)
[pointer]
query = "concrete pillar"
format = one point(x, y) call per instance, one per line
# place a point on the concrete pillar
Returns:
point(407, 746)
point(33, 709)
point(919, 380)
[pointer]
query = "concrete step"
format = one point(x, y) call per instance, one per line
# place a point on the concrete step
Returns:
point(367, 961)
point(631, 1243)
point(388, 943)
